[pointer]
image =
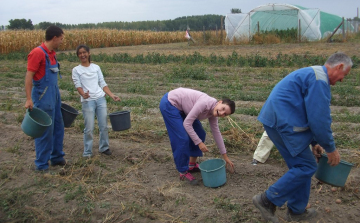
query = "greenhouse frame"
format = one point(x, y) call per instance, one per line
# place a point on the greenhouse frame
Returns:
point(311, 24)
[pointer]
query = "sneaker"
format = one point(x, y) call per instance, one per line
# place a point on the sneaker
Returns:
point(60, 163)
point(307, 215)
point(88, 156)
point(187, 176)
point(194, 169)
point(107, 152)
point(266, 208)
point(254, 162)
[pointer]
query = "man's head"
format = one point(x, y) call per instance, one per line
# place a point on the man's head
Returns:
point(338, 66)
point(55, 36)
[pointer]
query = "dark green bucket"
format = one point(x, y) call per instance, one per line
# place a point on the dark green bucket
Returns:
point(333, 175)
point(69, 114)
point(35, 122)
point(120, 120)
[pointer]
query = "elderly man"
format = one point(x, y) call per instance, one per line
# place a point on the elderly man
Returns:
point(296, 114)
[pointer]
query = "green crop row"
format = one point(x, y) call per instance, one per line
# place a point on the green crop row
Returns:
point(280, 60)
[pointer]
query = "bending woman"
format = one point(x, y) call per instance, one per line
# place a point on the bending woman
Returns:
point(182, 110)
point(89, 82)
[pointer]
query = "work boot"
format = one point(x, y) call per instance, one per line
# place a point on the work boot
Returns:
point(63, 162)
point(266, 208)
point(306, 215)
point(44, 171)
point(107, 152)
point(41, 171)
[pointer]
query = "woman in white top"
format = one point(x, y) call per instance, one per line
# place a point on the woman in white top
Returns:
point(89, 82)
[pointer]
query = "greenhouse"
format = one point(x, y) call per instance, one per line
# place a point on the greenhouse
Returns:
point(311, 24)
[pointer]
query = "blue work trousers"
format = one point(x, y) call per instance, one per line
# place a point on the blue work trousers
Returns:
point(294, 186)
point(181, 144)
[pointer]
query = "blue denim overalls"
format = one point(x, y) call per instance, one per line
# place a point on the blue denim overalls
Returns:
point(46, 96)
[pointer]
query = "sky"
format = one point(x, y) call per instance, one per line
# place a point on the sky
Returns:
point(97, 11)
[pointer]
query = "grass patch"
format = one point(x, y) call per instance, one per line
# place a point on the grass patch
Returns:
point(190, 72)
point(78, 193)
point(252, 111)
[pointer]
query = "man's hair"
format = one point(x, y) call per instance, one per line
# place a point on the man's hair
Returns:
point(231, 104)
point(53, 31)
point(338, 58)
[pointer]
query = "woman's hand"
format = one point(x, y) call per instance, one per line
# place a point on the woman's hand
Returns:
point(115, 98)
point(229, 165)
point(203, 147)
point(107, 91)
point(86, 95)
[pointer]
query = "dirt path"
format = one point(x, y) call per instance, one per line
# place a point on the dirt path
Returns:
point(350, 48)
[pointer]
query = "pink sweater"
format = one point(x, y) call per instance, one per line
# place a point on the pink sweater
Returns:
point(197, 105)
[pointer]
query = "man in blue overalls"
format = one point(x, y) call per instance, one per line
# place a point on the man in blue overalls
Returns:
point(42, 91)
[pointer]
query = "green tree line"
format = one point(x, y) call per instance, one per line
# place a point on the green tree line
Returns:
point(20, 24)
point(195, 23)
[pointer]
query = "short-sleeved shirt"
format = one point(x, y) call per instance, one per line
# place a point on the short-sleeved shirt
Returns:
point(37, 61)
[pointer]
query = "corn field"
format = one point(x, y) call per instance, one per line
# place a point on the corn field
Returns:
point(26, 40)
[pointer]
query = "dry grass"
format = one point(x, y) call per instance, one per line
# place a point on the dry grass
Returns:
point(265, 39)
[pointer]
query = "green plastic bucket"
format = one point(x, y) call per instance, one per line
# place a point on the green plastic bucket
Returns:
point(35, 122)
point(333, 175)
point(213, 172)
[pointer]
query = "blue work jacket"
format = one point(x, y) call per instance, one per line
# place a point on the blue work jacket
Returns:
point(299, 108)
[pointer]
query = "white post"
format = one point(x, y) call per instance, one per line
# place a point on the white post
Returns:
point(299, 30)
point(343, 29)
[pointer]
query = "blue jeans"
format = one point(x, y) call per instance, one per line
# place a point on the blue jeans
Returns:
point(89, 109)
point(294, 185)
point(181, 144)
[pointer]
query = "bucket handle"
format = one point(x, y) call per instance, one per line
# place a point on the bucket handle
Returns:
point(341, 161)
point(208, 171)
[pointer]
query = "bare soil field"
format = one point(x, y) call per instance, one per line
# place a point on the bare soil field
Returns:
point(139, 182)
point(350, 48)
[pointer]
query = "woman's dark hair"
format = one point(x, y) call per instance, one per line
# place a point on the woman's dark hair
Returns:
point(230, 103)
point(87, 49)
point(53, 31)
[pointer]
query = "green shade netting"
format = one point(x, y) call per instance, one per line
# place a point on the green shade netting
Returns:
point(314, 24)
